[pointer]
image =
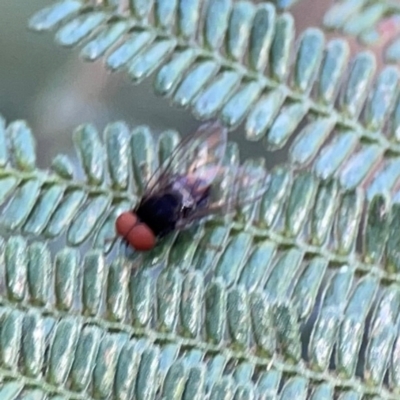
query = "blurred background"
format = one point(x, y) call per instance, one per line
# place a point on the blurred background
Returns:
point(55, 91)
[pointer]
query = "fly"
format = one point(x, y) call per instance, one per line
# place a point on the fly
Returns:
point(186, 188)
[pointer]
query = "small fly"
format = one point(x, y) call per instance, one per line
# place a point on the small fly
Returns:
point(192, 184)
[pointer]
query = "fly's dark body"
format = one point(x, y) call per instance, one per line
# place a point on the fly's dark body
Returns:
point(162, 212)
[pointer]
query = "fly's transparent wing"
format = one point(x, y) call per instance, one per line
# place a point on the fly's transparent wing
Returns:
point(240, 187)
point(198, 157)
point(251, 186)
point(234, 188)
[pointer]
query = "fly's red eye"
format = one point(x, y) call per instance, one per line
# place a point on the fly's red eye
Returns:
point(125, 223)
point(141, 237)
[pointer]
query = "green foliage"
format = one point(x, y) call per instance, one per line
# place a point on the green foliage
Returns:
point(296, 296)
point(297, 209)
point(373, 22)
point(231, 293)
point(83, 330)
point(97, 333)
point(236, 63)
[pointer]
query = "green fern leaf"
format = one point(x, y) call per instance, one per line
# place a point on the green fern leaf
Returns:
point(298, 208)
point(234, 63)
point(296, 296)
point(113, 331)
point(79, 335)
point(373, 23)
point(224, 317)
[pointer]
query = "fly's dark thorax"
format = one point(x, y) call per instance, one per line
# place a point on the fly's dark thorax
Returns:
point(160, 212)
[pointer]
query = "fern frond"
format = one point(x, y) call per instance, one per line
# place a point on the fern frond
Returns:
point(235, 63)
point(49, 202)
point(241, 288)
point(300, 233)
point(374, 23)
point(111, 330)
point(227, 315)
point(298, 209)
